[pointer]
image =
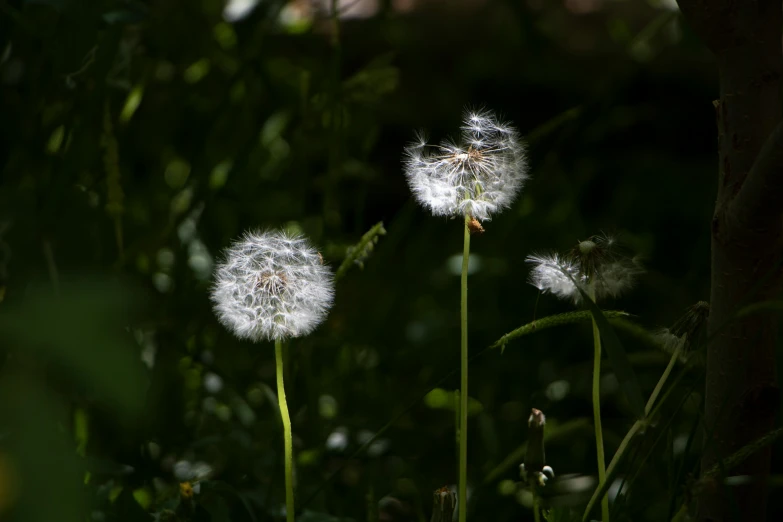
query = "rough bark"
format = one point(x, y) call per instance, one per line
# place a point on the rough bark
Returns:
point(741, 394)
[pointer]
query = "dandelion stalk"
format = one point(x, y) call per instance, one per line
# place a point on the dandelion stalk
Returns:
point(604, 271)
point(270, 287)
point(473, 177)
point(664, 377)
point(650, 410)
point(287, 437)
point(678, 340)
point(463, 389)
point(599, 434)
point(534, 470)
point(536, 507)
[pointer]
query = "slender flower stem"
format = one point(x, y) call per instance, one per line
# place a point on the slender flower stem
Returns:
point(599, 436)
point(658, 387)
point(289, 446)
point(536, 507)
point(635, 428)
point(463, 389)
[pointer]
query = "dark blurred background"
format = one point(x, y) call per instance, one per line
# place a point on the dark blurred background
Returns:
point(137, 139)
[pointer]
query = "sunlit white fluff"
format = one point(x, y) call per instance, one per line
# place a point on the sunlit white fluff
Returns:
point(236, 10)
point(595, 264)
point(550, 274)
point(270, 286)
point(477, 176)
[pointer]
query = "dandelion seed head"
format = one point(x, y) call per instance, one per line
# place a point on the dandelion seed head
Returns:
point(271, 286)
point(613, 278)
point(669, 341)
point(596, 265)
point(477, 176)
point(687, 332)
point(550, 274)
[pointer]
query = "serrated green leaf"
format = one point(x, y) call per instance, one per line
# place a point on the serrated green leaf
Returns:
point(359, 252)
point(550, 322)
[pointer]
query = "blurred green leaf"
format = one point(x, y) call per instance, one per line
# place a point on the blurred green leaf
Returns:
point(376, 80)
point(127, 509)
point(81, 430)
point(83, 332)
point(440, 399)
point(132, 103)
point(132, 13)
point(317, 516)
point(42, 453)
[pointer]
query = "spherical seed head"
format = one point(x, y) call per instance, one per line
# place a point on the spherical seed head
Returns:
point(272, 286)
point(477, 176)
point(596, 263)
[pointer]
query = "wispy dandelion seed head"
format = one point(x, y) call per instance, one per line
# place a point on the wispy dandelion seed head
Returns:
point(272, 286)
point(477, 176)
point(596, 264)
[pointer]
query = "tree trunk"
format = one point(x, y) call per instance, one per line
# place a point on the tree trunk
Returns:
point(741, 395)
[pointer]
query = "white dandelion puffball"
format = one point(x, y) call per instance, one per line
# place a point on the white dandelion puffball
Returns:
point(595, 264)
point(272, 286)
point(476, 177)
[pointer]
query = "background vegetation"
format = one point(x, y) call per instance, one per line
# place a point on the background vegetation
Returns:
point(138, 138)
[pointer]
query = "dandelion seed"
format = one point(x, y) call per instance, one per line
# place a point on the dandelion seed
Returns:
point(596, 263)
point(272, 286)
point(476, 177)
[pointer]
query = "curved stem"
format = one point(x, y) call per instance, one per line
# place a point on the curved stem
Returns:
point(287, 437)
point(599, 436)
point(463, 389)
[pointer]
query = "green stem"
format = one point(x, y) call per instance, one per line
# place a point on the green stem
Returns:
point(289, 446)
point(637, 426)
point(536, 507)
point(658, 387)
point(599, 436)
point(463, 389)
